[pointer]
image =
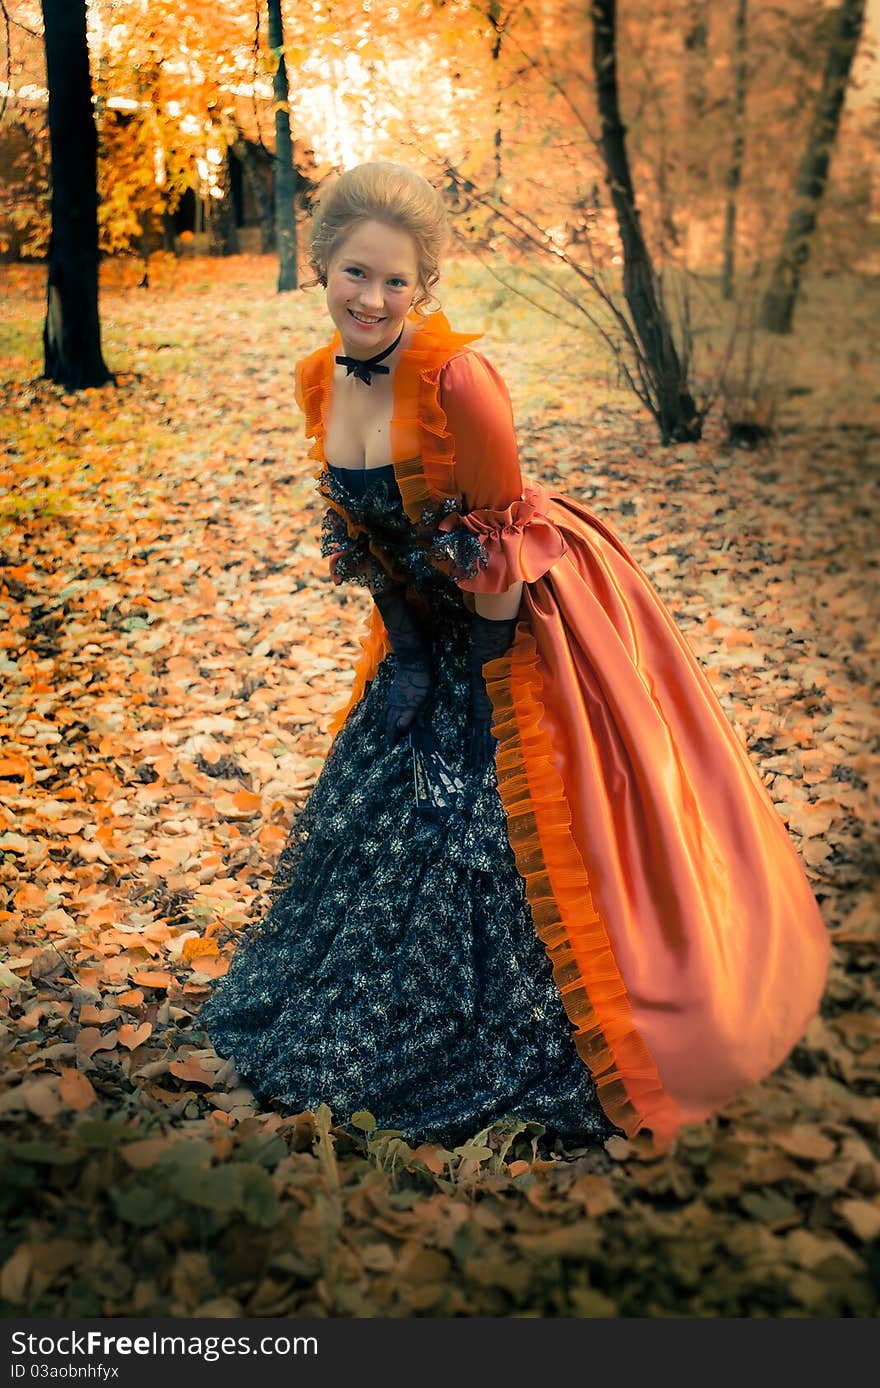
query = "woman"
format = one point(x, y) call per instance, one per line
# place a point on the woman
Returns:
point(597, 921)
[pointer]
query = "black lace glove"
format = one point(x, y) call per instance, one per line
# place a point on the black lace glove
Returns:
point(411, 684)
point(489, 640)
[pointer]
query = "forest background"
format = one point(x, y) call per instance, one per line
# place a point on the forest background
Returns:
point(173, 652)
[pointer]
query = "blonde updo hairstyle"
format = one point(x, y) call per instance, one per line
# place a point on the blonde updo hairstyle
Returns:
point(389, 193)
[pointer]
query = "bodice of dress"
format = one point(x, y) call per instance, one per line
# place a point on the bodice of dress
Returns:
point(371, 541)
point(359, 480)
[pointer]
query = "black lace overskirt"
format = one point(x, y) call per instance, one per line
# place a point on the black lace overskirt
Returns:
point(397, 968)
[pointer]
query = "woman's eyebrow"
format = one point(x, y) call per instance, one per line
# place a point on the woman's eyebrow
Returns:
point(360, 264)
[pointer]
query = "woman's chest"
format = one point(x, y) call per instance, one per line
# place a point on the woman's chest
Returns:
point(357, 430)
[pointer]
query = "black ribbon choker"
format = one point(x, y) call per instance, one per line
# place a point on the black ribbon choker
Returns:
point(363, 369)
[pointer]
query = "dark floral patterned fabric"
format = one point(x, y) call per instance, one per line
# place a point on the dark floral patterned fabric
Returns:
point(375, 542)
point(397, 969)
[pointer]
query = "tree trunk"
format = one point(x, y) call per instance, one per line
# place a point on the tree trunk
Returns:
point(696, 101)
point(259, 192)
point(777, 309)
point(223, 226)
point(734, 171)
point(285, 178)
point(677, 415)
point(72, 330)
point(493, 14)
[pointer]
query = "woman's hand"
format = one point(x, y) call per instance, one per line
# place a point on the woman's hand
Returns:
point(407, 696)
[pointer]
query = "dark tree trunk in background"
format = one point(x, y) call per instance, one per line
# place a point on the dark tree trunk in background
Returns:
point(677, 415)
point(493, 14)
point(242, 150)
point(734, 170)
point(696, 100)
point(72, 331)
point(777, 310)
point(285, 177)
point(223, 226)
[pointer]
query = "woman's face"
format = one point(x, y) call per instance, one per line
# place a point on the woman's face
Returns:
point(371, 279)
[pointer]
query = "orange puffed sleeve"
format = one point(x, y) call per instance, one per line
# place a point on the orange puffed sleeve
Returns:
point(520, 542)
point(479, 416)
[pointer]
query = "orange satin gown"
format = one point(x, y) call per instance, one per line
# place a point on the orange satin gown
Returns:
point(686, 943)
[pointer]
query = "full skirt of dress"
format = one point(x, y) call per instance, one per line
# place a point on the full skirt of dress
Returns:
point(398, 969)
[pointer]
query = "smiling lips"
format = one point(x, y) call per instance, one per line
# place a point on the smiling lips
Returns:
point(363, 318)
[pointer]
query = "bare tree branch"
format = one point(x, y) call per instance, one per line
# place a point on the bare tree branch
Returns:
point(17, 24)
point(523, 230)
point(255, 50)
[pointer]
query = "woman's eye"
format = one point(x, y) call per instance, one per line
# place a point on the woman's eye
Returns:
point(397, 284)
point(352, 270)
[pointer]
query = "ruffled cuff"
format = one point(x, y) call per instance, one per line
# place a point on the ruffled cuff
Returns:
point(351, 559)
point(519, 543)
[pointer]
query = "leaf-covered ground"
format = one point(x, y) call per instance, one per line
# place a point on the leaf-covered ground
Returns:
point(171, 653)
